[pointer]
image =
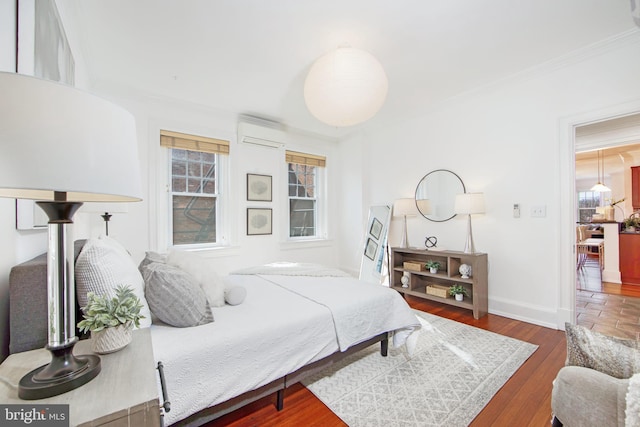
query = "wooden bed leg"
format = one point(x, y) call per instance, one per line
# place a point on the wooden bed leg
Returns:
point(384, 347)
point(280, 399)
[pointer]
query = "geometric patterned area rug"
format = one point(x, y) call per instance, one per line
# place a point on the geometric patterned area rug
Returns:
point(453, 373)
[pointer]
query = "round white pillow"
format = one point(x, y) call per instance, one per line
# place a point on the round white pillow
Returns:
point(235, 295)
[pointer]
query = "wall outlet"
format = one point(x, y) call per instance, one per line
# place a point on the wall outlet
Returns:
point(538, 211)
point(516, 210)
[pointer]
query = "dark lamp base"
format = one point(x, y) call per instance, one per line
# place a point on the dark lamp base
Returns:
point(64, 373)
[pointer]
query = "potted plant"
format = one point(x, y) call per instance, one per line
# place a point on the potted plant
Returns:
point(458, 291)
point(631, 223)
point(433, 266)
point(111, 320)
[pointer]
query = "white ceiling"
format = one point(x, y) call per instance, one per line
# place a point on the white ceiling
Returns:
point(251, 56)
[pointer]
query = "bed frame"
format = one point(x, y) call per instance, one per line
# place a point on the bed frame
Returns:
point(28, 323)
point(278, 386)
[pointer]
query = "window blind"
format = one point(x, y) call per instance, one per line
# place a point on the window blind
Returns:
point(185, 141)
point(305, 159)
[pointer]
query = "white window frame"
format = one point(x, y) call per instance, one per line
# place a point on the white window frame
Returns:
point(220, 202)
point(579, 209)
point(320, 208)
point(160, 218)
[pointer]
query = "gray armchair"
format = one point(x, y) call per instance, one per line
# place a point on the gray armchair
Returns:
point(586, 397)
point(600, 384)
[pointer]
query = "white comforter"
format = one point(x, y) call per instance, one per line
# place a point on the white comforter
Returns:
point(359, 310)
point(284, 323)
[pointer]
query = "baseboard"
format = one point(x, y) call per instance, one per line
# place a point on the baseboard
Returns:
point(611, 276)
point(529, 313)
point(565, 316)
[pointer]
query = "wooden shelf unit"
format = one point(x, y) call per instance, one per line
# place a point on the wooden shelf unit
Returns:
point(447, 275)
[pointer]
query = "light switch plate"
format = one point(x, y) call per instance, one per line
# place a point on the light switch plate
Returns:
point(538, 211)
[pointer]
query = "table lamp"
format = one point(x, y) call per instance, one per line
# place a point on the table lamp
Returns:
point(404, 208)
point(62, 147)
point(106, 211)
point(468, 204)
point(424, 206)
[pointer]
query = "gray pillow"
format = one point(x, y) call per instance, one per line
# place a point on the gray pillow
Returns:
point(174, 296)
point(150, 257)
point(616, 357)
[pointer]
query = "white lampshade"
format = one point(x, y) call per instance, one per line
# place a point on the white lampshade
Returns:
point(55, 138)
point(405, 207)
point(469, 203)
point(105, 207)
point(62, 147)
point(345, 87)
point(424, 206)
point(600, 188)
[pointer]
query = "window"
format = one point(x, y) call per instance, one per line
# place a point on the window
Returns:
point(588, 201)
point(195, 187)
point(304, 181)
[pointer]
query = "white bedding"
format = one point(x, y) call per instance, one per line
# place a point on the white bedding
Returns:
point(360, 310)
point(272, 333)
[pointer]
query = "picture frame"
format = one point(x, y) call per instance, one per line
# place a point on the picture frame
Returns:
point(370, 249)
point(43, 49)
point(259, 221)
point(259, 188)
point(29, 216)
point(376, 228)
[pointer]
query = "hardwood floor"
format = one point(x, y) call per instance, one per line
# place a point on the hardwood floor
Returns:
point(525, 400)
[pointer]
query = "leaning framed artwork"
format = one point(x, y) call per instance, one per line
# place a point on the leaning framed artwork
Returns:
point(376, 228)
point(259, 221)
point(371, 249)
point(259, 188)
point(43, 49)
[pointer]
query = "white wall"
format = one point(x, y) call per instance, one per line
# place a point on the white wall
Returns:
point(505, 141)
point(144, 227)
point(17, 246)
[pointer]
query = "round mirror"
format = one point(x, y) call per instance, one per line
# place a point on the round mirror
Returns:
point(436, 194)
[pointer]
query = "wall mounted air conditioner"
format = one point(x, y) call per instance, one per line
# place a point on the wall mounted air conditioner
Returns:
point(249, 133)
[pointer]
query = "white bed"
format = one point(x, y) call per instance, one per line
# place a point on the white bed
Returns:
point(286, 322)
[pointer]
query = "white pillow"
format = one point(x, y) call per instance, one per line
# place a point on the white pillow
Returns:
point(204, 273)
point(102, 265)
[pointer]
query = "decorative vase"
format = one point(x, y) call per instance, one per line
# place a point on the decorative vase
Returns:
point(459, 297)
point(465, 271)
point(609, 213)
point(433, 270)
point(110, 340)
point(405, 281)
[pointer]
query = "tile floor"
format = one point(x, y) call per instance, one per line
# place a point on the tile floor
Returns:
point(607, 308)
point(614, 315)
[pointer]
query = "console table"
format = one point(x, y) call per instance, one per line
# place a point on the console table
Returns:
point(410, 262)
point(124, 393)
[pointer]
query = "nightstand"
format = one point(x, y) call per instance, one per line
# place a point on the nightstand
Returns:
point(124, 393)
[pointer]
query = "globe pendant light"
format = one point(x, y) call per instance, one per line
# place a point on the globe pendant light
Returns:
point(600, 187)
point(345, 87)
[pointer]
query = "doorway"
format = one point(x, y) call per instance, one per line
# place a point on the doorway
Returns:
point(566, 311)
point(602, 300)
point(613, 148)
